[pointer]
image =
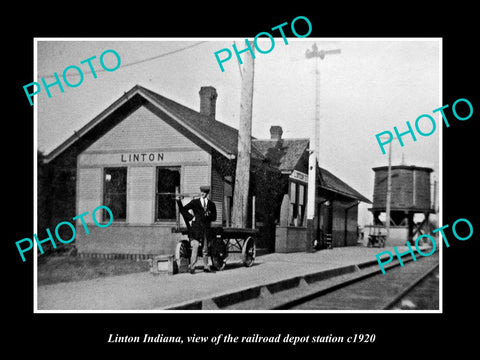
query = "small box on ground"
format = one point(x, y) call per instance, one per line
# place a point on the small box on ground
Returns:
point(163, 264)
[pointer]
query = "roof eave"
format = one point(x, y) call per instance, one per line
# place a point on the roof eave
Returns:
point(121, 101)
point(352, 196)
point(91, 124)
point(203, 137)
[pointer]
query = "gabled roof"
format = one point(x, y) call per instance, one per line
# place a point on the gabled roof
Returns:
point(224, 136)
point(330, 182)
point(284, 154)
point(216, 134)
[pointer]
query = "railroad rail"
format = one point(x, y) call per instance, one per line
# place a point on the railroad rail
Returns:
point(351, 287)
point(374, 291)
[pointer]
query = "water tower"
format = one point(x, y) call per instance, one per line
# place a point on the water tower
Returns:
point(410, 195)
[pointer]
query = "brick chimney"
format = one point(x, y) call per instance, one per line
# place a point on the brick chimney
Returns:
point(208, 100)
point(276, 132)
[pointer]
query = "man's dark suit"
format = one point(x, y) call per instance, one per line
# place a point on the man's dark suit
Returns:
point(201, 225)
point(200, 231)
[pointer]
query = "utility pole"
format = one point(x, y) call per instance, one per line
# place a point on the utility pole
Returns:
point(389, 191)
point(242, 172)
point(314, 146)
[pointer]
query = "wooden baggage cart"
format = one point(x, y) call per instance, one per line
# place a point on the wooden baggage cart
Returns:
point(376, 236)
point(225, 241)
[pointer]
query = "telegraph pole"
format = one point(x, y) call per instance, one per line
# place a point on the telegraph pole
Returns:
point(389, 191)
point(242, 172)
point(314, 145)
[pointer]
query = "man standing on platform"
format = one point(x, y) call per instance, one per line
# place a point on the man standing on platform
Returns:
point(204, 211)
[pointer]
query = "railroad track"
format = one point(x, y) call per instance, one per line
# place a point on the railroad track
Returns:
point(352, 287)
point(371, 290)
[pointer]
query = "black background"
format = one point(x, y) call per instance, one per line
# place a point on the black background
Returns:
point(61, 335)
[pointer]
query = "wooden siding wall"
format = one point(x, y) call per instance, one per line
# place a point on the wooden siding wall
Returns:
point(140, 194)
point(89, 190)
point(338, 224)
point(141, 132)
point(410, 188)
point(217, 194)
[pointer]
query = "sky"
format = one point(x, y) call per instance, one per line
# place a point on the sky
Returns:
point(370, 87)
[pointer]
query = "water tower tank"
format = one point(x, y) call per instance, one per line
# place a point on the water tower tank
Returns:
point(410, 188)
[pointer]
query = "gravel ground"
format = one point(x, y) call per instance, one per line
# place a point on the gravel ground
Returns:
point(144, 291)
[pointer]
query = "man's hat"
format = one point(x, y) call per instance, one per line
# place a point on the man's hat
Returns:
point(205, 189)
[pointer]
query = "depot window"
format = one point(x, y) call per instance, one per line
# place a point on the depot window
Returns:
point(297, 204)
point(115, 193)
point(167, 185)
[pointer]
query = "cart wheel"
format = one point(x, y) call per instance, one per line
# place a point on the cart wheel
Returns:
point(248, 251)
point(218, 262)
point(182, 255)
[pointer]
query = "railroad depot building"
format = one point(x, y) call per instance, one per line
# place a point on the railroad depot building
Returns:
point(144, 147)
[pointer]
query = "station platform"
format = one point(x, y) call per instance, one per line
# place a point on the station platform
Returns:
point(159, 292)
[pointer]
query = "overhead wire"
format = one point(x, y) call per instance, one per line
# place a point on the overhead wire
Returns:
point(133, 62)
